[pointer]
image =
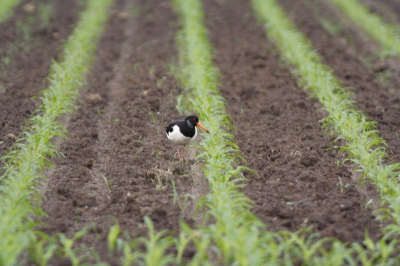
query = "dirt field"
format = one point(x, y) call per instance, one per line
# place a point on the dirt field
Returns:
point(29, 62)
point(118, 162)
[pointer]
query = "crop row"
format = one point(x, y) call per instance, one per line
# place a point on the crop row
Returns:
point(7, 7)
point(229, 231)
point(364, 146)
point(386, 34)
point(24, 164)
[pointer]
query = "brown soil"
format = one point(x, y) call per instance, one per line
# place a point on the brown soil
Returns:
point(280, 137)
point(118, 162)
point(388, 10)
point(118, 135)
point(29, 63)
point(374, 98)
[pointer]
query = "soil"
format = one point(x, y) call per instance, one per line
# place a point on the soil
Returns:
point(280, 137)
point(118, 163)
point(379, 102)
point(29, 62)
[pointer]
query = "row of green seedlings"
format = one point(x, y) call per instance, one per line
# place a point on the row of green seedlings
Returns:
point(229, 232)
point(362, 143)
point(7, 8)
point(385, 34)
point(235, 236)
point(24, 164)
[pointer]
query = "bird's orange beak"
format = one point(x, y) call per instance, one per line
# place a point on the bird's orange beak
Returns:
point(201, 126)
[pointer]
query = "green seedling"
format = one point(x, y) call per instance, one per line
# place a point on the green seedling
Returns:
point(45, 11)
point(159, 83)
point(138, 152)
point(151, 72)
point(134, 10)
point(342, 186)
point(136, 66)
point(158, 154)
point(107, 182)
point(153, 117)
point(112, 237)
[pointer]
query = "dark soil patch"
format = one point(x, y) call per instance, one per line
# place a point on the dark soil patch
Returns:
point(29, 62)
point(280, 137)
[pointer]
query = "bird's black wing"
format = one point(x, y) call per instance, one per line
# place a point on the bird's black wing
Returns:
point(169, 128)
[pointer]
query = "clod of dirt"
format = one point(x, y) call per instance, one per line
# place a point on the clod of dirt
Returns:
point(124, 15)
point(178, 171)
point(380, 66)
point(82, 200)
point(308, 161)
point(55, 35)
point(258, 64)
point(89, 163)
point(94, 97)
point(306, 178)
point(117, 196)
point(248, 92)
point(273, 110)
point(158, 215)
point(10, 137)
point(29, 7)
point(64, 191)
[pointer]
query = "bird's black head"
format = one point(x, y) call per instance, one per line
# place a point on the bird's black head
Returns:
point(192, 119)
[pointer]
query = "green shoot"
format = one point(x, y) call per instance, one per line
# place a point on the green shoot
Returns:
point(107, 182)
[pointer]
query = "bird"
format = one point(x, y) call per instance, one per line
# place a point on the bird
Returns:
point(183, 132)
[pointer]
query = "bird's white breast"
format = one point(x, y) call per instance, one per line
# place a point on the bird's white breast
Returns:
point(178, 138)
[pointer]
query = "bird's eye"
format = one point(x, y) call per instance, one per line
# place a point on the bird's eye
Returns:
point(194, 119)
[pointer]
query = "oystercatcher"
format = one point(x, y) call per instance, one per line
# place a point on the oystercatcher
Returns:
point(183, 132)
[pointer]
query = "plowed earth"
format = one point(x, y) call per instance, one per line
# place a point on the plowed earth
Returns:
point(28, 45)
point(118, 162)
